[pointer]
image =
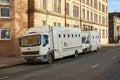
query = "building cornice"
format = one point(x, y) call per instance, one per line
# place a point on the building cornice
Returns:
point(62, 16)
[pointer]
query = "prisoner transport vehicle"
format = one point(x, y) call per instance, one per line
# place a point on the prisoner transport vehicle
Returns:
point(48, 43)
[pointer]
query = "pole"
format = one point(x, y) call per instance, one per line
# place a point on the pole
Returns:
point(65, 13)
point(80, 14)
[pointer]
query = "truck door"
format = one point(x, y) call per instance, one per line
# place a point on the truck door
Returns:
point(45, 44)
point(60, 45)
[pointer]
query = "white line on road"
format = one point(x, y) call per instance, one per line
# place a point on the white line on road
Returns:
point(95, 66)
point(114, 57)
point(6, 77)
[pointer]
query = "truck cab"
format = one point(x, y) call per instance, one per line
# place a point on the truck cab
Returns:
point(90, 41)
point(35, 45)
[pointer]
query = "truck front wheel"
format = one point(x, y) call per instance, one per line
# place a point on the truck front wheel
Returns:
point(76, 54)
point(50, 59)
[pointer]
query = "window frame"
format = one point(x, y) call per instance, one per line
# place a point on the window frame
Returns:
point(43, 7)
point(57, 6)
point(5, 16)
point(6, 3)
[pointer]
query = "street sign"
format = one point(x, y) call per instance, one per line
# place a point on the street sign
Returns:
point(5, 34)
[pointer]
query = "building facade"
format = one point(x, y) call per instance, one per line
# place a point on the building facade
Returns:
point(114, 27)
point(13, 17)
point(84, 14)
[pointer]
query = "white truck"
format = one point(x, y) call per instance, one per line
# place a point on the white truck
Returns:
point(90, 41)
point(48, 43)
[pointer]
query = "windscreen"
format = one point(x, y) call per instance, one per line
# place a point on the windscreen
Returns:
point(83, 39)
point(33, 40)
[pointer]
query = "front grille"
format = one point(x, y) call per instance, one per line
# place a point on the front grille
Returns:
point(30, 53)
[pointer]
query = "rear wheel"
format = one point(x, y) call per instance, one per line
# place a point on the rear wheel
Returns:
point(50, 59)
point(97, 49)
point(76, 54)
point(85, 51)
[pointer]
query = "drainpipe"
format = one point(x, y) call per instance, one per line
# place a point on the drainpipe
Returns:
point(80, 15)
point(65, 13)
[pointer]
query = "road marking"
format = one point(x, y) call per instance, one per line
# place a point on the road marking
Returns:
point(95, 66)
point(6, 77)
point(114, 57)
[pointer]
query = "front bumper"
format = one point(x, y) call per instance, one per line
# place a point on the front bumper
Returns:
point(42, 58)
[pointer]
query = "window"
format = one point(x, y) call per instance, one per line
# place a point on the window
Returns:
point(57, 6)
point(91, 16)
point(106, 33)
point(75, 11)
point(75, 35)
point(91, 3)
point(79, 35)
point(4, 1)
point(87, 14)
point(67, 9)
point(103, 33)
point(59, 24)
point(100, 6)
point(95, 17)
point(72, 35)
point(100, 19)
point(83, 1)
point(95, 4)
point(88, 2)
point(43, 22)
point(45, 40)
point(83, 13)
point(100, 32)
point(59, 36)
point(103, 8)
point(5, 34)
point(33, 40)
point(64, 35)
point(103, 20)
point(67, 25)
point(106, 9)
point(68, 35)
point(54, 24)
point(5, 12)
point(44, 4)
point(76, 26)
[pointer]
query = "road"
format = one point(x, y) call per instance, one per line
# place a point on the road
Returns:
point(101, 65)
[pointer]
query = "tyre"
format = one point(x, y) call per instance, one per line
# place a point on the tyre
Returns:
point(85, 51)
point(97, 50)
point(76, 54)
point(50, 59)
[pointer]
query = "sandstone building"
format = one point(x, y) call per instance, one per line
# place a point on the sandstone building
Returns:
point(19, 15)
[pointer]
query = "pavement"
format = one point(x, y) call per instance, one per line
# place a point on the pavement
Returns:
point(6, 62)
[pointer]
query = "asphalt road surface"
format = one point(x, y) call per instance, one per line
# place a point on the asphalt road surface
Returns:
point(101, 65)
